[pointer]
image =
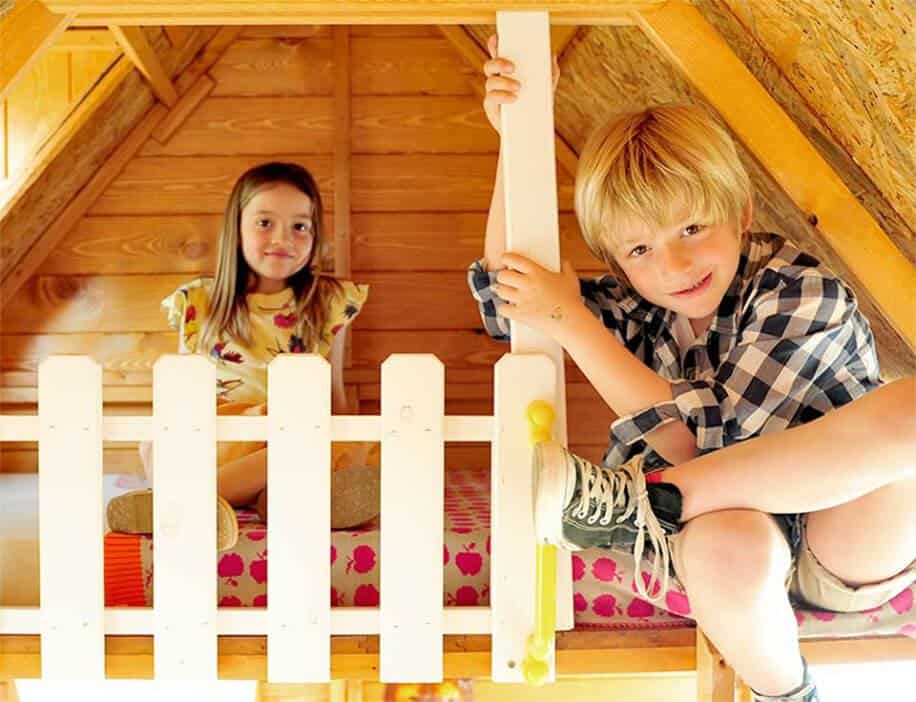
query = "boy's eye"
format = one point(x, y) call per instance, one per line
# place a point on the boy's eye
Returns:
point(263, 223)
point(692, 229)
point(638, 251)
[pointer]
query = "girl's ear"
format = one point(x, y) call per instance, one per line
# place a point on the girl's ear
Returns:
point(747, 215)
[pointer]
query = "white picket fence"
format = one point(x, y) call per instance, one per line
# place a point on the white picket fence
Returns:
point(298, 622)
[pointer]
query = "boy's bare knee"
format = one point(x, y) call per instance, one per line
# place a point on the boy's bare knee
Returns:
point(733, 554)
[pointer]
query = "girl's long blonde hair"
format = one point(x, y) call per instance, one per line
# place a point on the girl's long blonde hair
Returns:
point(228, 313)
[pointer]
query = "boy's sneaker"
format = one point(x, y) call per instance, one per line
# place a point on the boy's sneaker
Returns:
point(580, 505)
point(806, 692)
point(132, 513)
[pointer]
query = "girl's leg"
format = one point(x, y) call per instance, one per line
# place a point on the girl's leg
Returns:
point(239, 481)
point(870, 539)
point(734, 566)
point(850, 452)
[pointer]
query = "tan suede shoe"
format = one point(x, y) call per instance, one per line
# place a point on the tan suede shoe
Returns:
point(132, 513)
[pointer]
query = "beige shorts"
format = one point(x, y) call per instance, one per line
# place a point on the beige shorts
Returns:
point(810, 584)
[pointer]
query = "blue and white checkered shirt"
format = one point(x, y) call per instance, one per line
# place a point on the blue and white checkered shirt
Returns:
point(787, 345)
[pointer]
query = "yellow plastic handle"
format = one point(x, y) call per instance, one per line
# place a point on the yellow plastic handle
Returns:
point(535, 666)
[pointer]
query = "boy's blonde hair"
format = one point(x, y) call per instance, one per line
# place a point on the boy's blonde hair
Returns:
point(651, 165)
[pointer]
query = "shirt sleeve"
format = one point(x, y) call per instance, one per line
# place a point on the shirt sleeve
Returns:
point(602, 296)
point(802, 349)
point(481, 282)
point(345, 306)
point(185, 309)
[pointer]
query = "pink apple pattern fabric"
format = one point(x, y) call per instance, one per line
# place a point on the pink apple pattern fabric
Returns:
point(604, 596)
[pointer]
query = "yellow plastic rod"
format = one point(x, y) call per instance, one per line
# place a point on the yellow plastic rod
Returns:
point(536, 667)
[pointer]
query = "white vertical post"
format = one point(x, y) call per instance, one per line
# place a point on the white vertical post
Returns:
point(519, 380)
point(71, 525)
point(299, 535)
point(532, 227)
point(412, 500)
point(184, 518)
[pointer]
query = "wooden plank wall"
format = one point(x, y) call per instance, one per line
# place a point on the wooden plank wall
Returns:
point(423, 159)
point(44, 97)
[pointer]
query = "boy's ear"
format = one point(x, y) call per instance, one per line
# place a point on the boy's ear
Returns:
point(747, 215)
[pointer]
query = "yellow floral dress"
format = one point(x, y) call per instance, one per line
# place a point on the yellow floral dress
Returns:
point(241, 371)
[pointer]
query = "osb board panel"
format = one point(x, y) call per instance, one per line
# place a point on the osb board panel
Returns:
point(635, 75)
point(387, 183)
point(379, 125)
point(821, 134)
point(304, 66)
point(855, 65)
point(418, 241)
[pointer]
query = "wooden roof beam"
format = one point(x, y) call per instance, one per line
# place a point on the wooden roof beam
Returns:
point(252, 12)
point(681, 33)
point(476, 56)
point(31, 215)
point(26, 31)
point(136, 46)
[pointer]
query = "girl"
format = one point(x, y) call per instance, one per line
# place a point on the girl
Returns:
point(269, 296)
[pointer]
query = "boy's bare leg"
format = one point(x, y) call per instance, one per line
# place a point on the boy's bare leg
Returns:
point(850, 452)
point(869, 539)
point(734, 565)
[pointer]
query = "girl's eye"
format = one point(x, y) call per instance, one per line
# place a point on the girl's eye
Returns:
point(304, 227)
point(263, 223)
point(638, 251)
point(692, 229)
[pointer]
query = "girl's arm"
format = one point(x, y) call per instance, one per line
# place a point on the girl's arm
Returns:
point(339, 403)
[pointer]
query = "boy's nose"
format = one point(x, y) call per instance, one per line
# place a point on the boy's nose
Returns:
point(675, 260)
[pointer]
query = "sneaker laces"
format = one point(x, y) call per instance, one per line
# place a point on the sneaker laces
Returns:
point(625, 488)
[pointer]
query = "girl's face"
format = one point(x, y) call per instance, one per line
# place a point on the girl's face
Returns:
point(686, 267)
point(277, 235)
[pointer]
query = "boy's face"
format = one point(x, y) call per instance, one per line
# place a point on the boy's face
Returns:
point(686, 267)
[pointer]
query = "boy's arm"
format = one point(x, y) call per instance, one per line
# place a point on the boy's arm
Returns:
point(624, 383)
point(495, 241)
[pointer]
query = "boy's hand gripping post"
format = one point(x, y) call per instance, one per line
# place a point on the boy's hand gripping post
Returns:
point(535, 667)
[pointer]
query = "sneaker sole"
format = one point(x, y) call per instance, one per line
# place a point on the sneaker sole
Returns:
point(132, 513)
point(550, 494)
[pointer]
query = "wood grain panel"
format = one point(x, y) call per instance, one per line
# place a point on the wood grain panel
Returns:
point(381, 125)
point(392, 183)
point(381, 65)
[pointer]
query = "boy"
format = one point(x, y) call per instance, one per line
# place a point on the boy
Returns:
point(704, 336)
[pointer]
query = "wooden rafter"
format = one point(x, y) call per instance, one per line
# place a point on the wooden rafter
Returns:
point(136, 46)
point(38, 241)
point(86, 39)
point(476, 56)
point(681, 33)
point(251, 12)
point(26, 31)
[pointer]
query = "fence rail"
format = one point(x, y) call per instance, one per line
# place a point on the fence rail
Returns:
point(70, 427)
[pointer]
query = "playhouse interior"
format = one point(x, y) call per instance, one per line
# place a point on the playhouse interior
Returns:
point(124, 125)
